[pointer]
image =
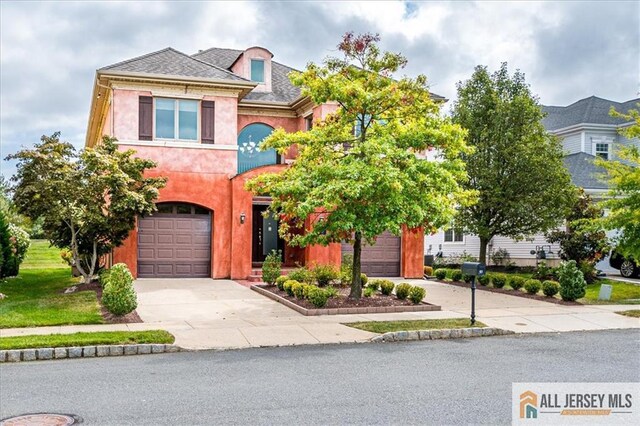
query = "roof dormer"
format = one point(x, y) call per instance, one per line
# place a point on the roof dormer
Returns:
point(255, 64)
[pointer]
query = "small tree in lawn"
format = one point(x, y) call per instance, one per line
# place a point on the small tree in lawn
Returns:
point(354, 185)
point(88, 201)
point(624, 180)
point(516, 166)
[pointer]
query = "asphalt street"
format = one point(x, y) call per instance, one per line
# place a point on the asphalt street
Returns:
point(429, 382)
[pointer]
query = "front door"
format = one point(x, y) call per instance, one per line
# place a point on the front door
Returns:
point(265, 234)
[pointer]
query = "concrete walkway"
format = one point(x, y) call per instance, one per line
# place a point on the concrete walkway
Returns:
point(222, 314)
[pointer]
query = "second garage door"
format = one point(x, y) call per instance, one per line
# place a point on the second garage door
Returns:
point(381, 259)
point(175, 243)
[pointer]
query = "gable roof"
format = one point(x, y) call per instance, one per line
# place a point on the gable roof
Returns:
point(172, 62)
point(591, 110)
point(281, 88)
point(584, 173)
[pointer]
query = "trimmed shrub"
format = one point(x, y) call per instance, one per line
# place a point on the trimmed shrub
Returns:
point(416, 294)
point(441, 273)
point(572, 283)
point(375, 285)
point(369, 291)
point(364, 279)
point(298, 290)
point(532, 286)
point(103, 276)
point(281, 280)
point(402, 290)
point(325, 274)
point(288, 286)
point(467, 278)
point(550, 288)
point(331, 291)
point(456, 275)
point(119, 296)
point(302, 275)
point(271, 267)
point(386, 287)
point(317, 296)
point(20, 241)
point(428, 270)
point(483, 280)
point(498, 280)
point(516, 282)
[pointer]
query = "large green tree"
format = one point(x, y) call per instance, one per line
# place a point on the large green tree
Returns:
point(623, 205)
point(89, 200)
point(357, 173)
point(516, 167)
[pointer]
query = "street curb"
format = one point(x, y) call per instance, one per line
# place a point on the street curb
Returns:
point(38, 354)
point(449, 333)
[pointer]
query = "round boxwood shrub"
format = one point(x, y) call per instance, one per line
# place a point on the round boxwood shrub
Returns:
point(281, 280)
point(402, 290)
point(374, 284)
point(550, 288)
point(325, 274)
point(369, 291)
point(467, 278)
point(416, 294)
point(288, 286)
point(532, 286)
point(386, 287)
point(498, 280)
point(483, 280)
point(298, 290)
point(572, 283)
point(456, 275)
point(331, 291)
point(317, 296)
point(364, 279)
point(302, 275)
point(119, 296)
point(428, 270)
point(516, 282)
point(441, 273)
point(271, 267)
point(103, 276)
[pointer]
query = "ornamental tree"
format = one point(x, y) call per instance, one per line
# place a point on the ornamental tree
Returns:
point(516, 167)
point(88, 201)
point(357, 173)
point(624, 180)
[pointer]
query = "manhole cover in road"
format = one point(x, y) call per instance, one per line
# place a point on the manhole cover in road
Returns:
point(42, 419)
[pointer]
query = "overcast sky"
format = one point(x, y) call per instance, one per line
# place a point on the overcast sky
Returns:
point(50, 50)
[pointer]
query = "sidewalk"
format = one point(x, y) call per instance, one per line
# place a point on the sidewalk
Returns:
point(221, 314)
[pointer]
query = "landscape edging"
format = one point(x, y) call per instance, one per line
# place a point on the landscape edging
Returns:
point(94, 351)
point(437, 334)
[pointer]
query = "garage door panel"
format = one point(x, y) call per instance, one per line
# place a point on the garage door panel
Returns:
point(382, 259)
point(171, 246)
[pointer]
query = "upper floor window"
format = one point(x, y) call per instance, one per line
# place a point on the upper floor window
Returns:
point(308, 122)
point(602, 150)
point(176, 119)
point(249, 154)
point(453, 235)
point(257, 70)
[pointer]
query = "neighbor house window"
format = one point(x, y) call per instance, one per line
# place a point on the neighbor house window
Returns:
point(176, 119)
point(257, 70)
point(308, 122)
point(602, 150)
point(453, 235)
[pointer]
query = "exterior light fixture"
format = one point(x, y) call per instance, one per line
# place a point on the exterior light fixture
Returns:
point(243, 217)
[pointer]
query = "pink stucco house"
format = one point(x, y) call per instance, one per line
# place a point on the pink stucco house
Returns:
point(201, 117)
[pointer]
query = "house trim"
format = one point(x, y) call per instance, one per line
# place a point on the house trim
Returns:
point(178, 144)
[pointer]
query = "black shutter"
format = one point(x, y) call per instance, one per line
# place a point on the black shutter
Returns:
point(208, 119)
point(145, 118)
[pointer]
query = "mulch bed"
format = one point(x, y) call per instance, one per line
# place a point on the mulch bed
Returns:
point(516, 293)
point(343, 301)
point(108, 317)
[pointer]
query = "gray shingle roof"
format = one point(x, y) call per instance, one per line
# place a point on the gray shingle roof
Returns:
point(584, 173)
point(281, 88)
point(589, 110)
point(172, 62)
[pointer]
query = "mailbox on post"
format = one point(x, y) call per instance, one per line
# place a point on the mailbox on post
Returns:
point(475, 269)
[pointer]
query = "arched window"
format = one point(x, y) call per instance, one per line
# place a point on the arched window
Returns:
point(249, 156)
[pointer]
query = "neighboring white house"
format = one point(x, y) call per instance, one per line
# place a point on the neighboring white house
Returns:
point(587, 130)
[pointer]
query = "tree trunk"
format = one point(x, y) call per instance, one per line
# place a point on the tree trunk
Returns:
point(356, 280)
point(483, 250)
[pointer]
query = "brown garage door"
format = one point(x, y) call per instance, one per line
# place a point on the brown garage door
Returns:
point(175, 242)
point(381, 259)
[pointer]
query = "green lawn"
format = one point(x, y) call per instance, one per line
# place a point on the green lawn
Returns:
point(409, 325)
point(86, 339)
point(635, 313)
point(624, 293)
point(34, 297)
